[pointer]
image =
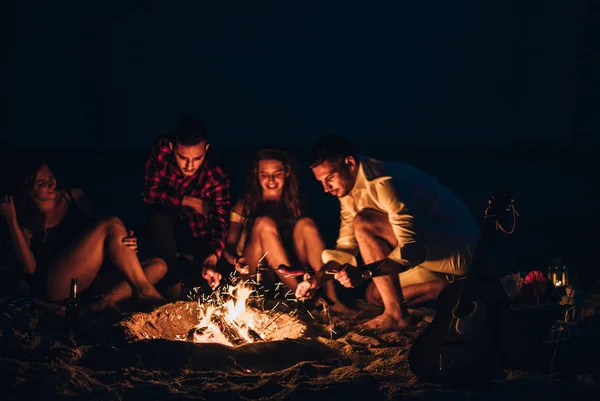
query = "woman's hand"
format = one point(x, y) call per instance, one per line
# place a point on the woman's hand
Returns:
point(241, 265)
point(131, 241)
point(306, 289)
point(7, 208)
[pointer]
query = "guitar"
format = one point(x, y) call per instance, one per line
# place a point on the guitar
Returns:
point(459, 347)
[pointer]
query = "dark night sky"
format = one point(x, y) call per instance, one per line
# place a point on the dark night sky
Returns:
point(116, 74)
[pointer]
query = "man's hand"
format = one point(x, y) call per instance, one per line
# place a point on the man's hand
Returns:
point(199, 205)
point(131, 241)
point(212, 276)
point(7, 208)
point(349, 276)
point(241, 265)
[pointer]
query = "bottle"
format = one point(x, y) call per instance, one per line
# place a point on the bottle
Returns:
point(259, 273)
point(260, 287)
point(71, 311)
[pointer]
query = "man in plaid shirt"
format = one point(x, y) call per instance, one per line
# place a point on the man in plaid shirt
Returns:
point(189, 201)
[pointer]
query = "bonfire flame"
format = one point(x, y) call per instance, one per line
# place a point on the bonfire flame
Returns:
point(228, 320)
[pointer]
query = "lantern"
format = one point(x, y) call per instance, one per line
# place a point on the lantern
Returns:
point(558, 273)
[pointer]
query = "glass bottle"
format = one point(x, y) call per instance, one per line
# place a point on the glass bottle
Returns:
point(260, 287)
point(71, 310)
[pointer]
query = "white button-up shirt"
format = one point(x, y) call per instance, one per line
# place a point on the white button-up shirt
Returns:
point(419, 208)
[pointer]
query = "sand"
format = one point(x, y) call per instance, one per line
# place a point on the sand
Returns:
point(108, 359)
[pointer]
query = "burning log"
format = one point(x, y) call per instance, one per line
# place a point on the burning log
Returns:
point(196, 331)
point(254, 336)
point(230, 332)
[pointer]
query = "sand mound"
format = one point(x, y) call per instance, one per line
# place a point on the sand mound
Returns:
point(176, 321)
point(345, 364)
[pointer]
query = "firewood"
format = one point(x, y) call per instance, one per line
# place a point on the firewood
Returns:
point(254, 336)
point(230, 332)
point(195, 331)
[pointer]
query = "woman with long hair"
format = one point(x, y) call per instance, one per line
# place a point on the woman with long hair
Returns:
point(54, 238)
point(270, 219)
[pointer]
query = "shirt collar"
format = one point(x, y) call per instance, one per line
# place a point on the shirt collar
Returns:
point(361, 180)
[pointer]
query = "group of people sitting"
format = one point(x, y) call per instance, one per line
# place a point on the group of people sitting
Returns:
point(400, 229)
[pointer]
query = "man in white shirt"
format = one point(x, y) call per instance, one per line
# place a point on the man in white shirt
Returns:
point(417, 230)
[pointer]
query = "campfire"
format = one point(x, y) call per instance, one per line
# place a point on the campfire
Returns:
point(230, 317)
point(231, 322)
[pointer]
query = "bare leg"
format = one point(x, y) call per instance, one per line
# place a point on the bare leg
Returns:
point(424, 292)
point(376, 240)
point(413, 294)
point(84, 258)
point(155, 269)
point(309, 246)
point(265, 237)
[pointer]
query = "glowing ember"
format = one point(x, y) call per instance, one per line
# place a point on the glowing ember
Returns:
point(230, 323)
point(225, 318)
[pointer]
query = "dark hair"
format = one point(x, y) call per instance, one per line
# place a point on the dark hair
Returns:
point(332, 148)
point(290, 198)
point(28, 212)
point(189, 131)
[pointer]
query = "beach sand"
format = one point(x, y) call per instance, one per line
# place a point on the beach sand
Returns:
point(108, 359)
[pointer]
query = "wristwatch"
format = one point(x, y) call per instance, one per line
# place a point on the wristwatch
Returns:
point(366, 274)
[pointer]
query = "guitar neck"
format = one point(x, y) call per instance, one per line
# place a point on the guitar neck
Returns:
point(488, 228)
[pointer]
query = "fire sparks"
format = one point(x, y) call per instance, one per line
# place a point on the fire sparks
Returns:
point(231, 315)
point(227, 318)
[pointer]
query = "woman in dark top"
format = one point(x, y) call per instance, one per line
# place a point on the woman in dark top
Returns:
point(54, 239)
point(270, 217)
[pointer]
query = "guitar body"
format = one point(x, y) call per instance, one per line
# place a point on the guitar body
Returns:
point(461, 345)
point(462, 352)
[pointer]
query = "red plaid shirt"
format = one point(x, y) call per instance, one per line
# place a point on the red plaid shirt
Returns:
point(165, 183)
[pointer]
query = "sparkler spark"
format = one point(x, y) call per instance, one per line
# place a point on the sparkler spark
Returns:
point(235, 314)
point(263, 256)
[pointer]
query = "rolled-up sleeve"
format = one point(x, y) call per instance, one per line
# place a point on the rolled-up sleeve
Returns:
point(410, 251)
point(346, 248)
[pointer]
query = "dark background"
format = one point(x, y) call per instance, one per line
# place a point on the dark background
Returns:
point(483, 95)
point(115, 73)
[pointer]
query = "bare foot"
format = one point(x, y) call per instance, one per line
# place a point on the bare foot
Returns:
point(386, 321)
point(339, 308)
point(104, 304)
point(149, 294)
point(58, 310)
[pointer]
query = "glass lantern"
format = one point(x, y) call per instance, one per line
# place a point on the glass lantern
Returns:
point(558, 273)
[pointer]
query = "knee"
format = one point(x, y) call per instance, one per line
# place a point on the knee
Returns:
point(305, 225)
point(159, 266)
point(364, 221)
point(111, 222)
point(264, 224)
